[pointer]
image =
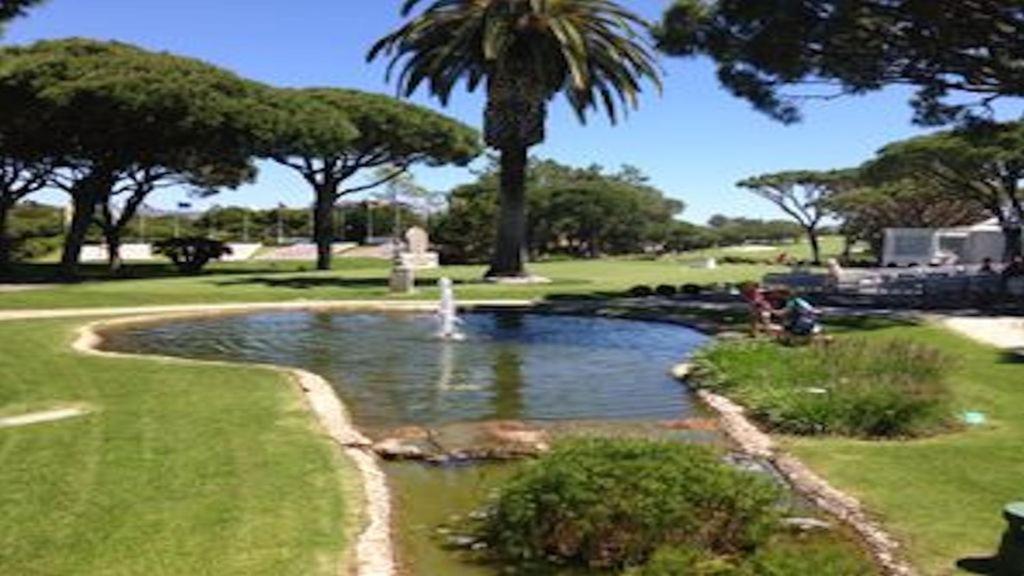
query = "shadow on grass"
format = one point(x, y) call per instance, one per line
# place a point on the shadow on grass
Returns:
point(49, 273)
point(309, 283)
point(987, 566)
point(1014, 356)
point(865, 323)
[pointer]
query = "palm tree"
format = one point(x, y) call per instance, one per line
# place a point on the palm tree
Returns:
point(524, 52)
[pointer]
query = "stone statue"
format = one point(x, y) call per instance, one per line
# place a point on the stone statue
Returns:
point(417, 255)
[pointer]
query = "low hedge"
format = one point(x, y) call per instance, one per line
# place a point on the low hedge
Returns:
point(851, 387)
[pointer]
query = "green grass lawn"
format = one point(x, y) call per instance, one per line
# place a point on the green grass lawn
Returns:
point(174, 475)
point(355, 279)
point(942, 496)
point(180, 469)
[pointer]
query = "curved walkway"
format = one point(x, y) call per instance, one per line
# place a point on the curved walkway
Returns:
point(1005, 332)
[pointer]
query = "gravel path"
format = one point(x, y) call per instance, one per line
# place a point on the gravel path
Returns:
point(1004, 332)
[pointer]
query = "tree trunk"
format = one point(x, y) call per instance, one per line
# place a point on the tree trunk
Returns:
point(812, 237)
point(509, 258)
point(115, 263)
point(5, 239)
point(86, 197)
point(1012, 242)
point(323, 231)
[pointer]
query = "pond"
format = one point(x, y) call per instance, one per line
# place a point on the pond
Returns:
point(392, 370)
point(571, 375)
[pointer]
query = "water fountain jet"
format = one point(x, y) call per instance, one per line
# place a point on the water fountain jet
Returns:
point(447, 313)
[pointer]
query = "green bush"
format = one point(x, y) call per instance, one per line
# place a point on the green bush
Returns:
point(191, 254)
point(640, 291)
point(851, 387)
point(33, 248)
point(784, 556)
point(818, 556)
point(611, 503)
point(679, 561)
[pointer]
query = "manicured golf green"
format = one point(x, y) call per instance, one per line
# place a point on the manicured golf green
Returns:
point(178, 469)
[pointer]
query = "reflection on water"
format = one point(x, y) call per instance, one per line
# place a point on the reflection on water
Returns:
point(393, 371)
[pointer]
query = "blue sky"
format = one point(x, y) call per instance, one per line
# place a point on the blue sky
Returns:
point(694, 141)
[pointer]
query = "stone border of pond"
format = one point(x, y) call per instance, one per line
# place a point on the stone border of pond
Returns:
point(753, 442)
point(374, 547)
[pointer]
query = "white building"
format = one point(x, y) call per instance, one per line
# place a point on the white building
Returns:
point(962, 245)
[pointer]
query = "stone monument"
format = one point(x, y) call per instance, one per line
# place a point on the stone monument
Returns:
point(417, 254)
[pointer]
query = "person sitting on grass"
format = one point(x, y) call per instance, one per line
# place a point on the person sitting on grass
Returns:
point(800, 318)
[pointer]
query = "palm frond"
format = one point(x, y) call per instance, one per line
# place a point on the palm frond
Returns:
point(595, 52)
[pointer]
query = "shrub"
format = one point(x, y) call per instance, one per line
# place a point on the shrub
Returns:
point(817, 555)
point(851, 387)
point(733, 259)
point(666, 290)
point(641, 291)
point(678, 561)
point(691, 289)
point(32, 248)
point(191, 254)
point(612, 502)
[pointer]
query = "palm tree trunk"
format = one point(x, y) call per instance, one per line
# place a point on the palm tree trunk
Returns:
point(323, 231)
point(509, 256)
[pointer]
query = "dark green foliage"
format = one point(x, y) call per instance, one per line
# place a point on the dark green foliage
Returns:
point(581, 212)
point(684, 236)
point(612, 503)
point(851, 387)
point(191, 254)
point(35, 230)
point(961, 56)
point(809, 556)
point(666, 290)
point(685, 561)
point(640, 291)
point(733, 231)
point(120, 121)
point(691, 289)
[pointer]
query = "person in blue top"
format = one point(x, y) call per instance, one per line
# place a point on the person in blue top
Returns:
point(800, 318)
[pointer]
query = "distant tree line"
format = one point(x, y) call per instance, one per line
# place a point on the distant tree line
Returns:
point(588, 213)
point(37, 230)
